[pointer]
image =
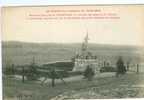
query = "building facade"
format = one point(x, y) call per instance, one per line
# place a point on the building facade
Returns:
point(109, 59)
point(85, 58)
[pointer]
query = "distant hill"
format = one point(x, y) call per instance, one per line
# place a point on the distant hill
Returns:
point(21, 53)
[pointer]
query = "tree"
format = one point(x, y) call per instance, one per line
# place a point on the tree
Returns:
point(32, 73)
point(53, 76)
point(120, 66)
point(10, 70)
point(89, 73)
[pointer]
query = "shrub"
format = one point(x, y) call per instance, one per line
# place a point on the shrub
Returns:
point(10, 70)
point(121, 69)
point(59, 74)
point(107, 69)
point(32, 73)
point(89, 73)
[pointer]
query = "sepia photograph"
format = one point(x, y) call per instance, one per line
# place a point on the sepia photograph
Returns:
point(70, 52)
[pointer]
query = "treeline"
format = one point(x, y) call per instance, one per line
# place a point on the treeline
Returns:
point(34, 72)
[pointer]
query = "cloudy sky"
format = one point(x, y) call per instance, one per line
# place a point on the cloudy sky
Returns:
point(126, 30)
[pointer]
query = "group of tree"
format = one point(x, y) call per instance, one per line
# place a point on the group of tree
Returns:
point(31, 73)
point(89, 73)
point(120, 69)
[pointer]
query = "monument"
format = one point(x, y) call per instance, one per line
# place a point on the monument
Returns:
point(85, 58)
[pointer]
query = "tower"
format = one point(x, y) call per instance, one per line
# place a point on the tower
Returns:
point(85, 43)
point(84, 48)
point(85, 57)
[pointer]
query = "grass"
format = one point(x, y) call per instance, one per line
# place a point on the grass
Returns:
point(127, 86)
point(21, 53)
point(103, 86)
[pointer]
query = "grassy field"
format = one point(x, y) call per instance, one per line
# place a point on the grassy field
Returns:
point(128, 86)
point(21, 53)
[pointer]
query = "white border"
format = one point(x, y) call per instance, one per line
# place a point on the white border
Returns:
point(66, 2)
point(55, 2)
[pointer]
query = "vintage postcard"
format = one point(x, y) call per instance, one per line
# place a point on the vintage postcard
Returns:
point(73, 52)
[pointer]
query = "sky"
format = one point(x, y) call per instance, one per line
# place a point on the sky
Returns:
point(127, 30)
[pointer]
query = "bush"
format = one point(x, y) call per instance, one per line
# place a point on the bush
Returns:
point(10, 70)
point(31, 73)
point(121, 69)
point(89, 73)
point(67, 66)
point(76, 73)
point(108, 69)
point(59, 74)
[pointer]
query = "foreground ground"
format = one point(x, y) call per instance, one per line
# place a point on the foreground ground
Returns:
point(103, 86)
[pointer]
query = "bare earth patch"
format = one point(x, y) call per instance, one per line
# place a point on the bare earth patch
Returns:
point(123, 87)
point(130, 85)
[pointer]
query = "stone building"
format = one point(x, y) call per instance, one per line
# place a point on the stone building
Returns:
point(85, 58)
point(106, 58)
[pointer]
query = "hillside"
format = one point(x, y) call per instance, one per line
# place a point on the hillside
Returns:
point(21, 53)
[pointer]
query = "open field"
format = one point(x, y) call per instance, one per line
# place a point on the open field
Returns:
point(127, 86)
point(21, 53)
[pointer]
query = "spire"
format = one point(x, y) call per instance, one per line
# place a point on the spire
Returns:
point(86, 38)
point(85, 43)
